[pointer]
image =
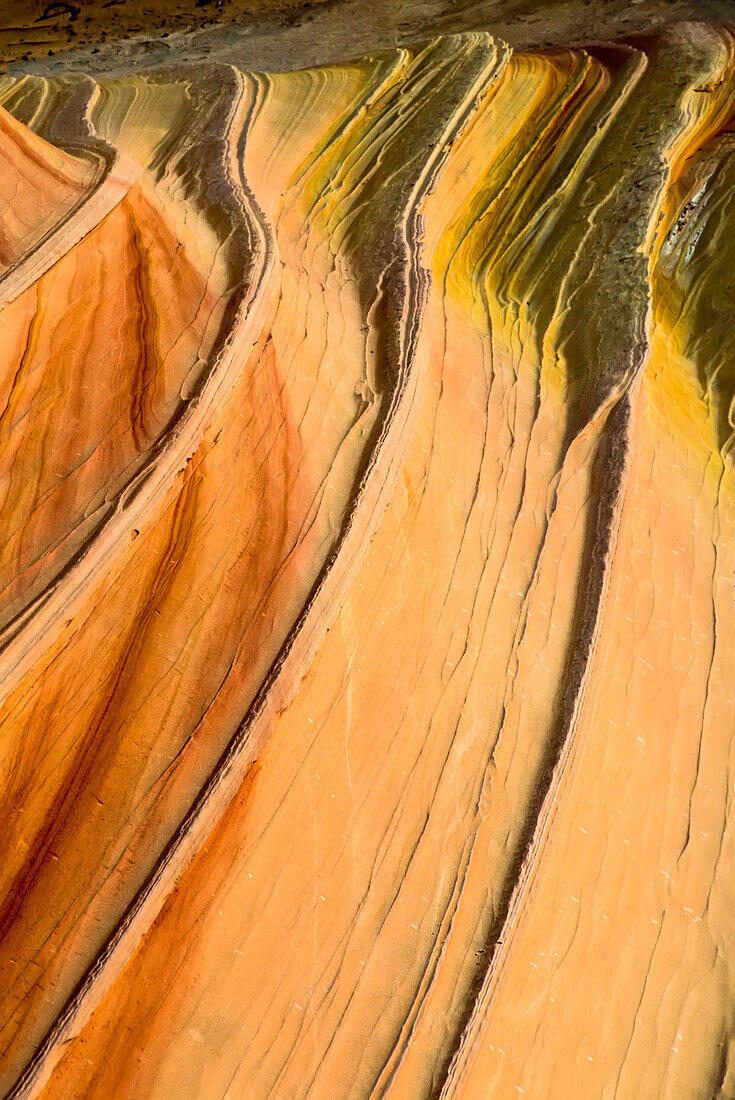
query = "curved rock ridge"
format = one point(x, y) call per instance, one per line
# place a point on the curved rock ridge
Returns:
point(41, 186)
point(366, 583)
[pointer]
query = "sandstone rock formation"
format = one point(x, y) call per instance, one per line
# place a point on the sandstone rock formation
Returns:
point(366, 586)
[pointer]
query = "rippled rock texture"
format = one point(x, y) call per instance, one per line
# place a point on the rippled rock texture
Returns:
point(366, 582)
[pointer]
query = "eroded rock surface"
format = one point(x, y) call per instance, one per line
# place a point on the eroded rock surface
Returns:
point(366, 583)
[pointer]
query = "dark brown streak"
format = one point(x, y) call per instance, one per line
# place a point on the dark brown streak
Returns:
point(30, 347)
point(148, 362)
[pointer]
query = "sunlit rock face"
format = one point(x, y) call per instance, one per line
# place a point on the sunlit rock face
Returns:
point(366, 576)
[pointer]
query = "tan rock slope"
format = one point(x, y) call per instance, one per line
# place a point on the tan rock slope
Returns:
point(367, 619)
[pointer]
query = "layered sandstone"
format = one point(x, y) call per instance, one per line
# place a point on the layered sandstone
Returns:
point(366, 584)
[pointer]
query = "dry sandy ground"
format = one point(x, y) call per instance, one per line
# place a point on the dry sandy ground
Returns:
point(293, 33)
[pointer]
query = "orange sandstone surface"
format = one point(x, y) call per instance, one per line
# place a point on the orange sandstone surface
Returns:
point(366, 583)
